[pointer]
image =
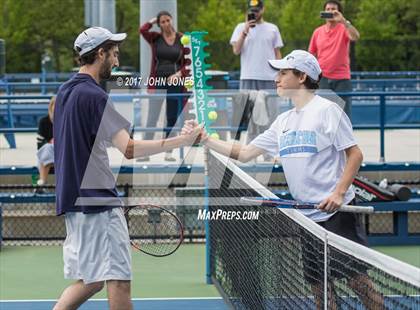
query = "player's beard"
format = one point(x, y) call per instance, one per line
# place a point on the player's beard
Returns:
point(105, 71)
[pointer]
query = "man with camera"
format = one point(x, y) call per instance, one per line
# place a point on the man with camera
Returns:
point(257, 41)
point(330, 43)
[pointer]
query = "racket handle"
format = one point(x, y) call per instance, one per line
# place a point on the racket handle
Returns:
point(356, 209)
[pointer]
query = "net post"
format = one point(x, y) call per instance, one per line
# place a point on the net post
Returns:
point(206, 223)
point(326, 271)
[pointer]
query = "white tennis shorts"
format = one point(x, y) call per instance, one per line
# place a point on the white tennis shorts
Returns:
point(46, 154)
point(97, 246)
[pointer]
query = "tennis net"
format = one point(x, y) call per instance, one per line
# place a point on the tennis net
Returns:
point(283, 260)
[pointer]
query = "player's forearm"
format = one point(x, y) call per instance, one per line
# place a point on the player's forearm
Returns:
point(140, 148)
point(353, 162)
point(232, 150)
point(243, 153)
point(225, 148)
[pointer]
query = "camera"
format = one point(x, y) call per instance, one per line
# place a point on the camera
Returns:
point(326, 15)
point(251, 16)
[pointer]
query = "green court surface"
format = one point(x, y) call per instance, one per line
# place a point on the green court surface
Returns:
point(408, 254)
point(37, 272)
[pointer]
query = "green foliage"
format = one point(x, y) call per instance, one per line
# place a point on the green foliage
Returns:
point(33, 27)
point(389, 30)
point(187, 13)
point(297, 22)
point(219, 19)
point(127, 20)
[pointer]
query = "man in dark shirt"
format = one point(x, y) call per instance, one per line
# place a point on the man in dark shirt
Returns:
point(96, 249)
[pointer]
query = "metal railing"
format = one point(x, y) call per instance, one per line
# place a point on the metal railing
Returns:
point(413, 83)
point(382, 95)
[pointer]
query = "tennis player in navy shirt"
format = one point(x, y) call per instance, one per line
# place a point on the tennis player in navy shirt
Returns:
point(97, 248)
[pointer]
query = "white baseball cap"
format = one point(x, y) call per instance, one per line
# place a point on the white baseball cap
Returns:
point(300, 60)
point(92, 37)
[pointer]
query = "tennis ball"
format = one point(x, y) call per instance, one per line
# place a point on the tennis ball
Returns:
point(212, 115)
point(185, 40)
point(189, 83)
point(215, 135)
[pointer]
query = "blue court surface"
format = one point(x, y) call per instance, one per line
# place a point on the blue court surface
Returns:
point(205, 303)
point(344, 303)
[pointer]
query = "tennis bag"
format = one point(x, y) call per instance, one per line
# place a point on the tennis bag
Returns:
point(370, 192)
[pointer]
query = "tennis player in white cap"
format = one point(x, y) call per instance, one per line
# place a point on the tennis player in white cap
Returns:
point(320, 159)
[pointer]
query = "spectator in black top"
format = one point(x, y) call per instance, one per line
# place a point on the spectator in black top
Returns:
point(45, 152)
point(167, 63)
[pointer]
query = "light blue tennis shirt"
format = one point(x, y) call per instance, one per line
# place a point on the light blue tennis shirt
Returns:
point(311, 143)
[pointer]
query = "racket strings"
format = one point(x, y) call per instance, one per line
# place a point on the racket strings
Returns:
point(154, 230)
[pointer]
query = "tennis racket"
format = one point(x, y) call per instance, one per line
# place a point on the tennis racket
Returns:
point(154, 230)
point(292, 204)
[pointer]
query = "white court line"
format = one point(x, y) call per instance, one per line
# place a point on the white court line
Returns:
point(104, 299)
point(161, 298)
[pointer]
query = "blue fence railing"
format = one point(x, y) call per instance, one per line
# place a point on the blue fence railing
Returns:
point(249, 168)
point(405, 84)
point(385, 74)
point(400, 84)
point(9, 100)
point(24, 87)
point(62, 76)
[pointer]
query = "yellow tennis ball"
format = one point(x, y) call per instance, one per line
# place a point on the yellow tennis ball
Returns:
point(189, 83)
point(185, 40)
point(215, 135)
point(212, 115)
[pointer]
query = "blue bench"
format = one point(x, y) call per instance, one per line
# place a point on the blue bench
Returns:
point(399, 211)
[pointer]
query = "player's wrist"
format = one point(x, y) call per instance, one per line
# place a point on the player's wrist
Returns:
point(204, 140)
point(340, 192)
point(189, 140)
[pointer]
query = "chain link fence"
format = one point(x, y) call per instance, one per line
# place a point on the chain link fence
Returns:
point(31, 219)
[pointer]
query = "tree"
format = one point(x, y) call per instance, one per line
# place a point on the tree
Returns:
point(187, 13)
point(219, 19)
point(389, 30)
point(389, 35)
point(127, 20)
point(33, 27)
point(297, 22)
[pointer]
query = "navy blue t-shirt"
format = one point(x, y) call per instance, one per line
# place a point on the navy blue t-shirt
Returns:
point(84, 124)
